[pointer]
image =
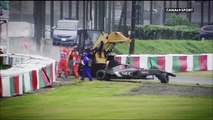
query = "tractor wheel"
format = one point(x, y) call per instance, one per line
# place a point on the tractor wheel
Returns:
point(164, 78)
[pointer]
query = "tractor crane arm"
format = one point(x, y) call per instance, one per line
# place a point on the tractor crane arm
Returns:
point(105, 44)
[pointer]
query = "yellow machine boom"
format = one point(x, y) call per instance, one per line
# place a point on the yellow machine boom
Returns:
point(105, 43)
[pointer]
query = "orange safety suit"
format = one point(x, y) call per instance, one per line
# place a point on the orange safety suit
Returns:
point(75, 57)
point(63, 61)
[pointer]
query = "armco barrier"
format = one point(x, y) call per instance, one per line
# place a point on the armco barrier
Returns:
point(31, 72)
point(170, 62)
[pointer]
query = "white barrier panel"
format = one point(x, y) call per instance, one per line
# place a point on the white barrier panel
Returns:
point(210, 61)
point(169, 63)
point(27, 83)
point(143, 61)
point(6, 86)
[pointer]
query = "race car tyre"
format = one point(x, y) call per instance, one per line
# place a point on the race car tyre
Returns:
point(164, 78)
point(100, 75)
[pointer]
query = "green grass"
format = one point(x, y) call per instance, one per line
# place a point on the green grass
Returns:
point(100, 100)
point(205, 74)
point(167, 47)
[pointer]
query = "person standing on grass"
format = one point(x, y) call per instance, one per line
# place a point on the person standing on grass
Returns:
point(70, 62)
point(63, 61)
point(86, 67)
point(75, 61)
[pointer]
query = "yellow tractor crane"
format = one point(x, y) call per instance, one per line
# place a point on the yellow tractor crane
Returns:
point(99, 45)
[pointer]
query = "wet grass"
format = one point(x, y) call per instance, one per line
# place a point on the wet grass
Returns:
point(167, 47)
point(103, 100)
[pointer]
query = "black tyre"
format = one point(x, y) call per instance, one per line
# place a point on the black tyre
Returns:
point(100, 74)
point(164, 78)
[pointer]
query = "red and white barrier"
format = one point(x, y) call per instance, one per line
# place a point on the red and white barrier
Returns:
point(170, 62)
point(26, 76)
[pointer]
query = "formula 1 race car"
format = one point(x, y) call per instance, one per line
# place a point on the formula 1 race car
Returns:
point(123, 71)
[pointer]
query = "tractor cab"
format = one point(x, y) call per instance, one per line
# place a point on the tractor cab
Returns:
point(86, 39)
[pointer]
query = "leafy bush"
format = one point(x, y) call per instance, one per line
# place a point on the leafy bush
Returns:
point(176, 27)
point(166, 32)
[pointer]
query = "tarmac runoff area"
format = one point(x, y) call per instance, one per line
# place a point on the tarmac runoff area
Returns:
point(191, 80)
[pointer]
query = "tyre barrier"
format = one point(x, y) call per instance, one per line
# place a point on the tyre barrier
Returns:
point(28, 73)
point(170, 62)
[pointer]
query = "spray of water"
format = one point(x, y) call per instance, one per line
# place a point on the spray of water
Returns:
point(21, 40)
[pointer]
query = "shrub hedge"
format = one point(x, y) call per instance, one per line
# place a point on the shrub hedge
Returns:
point(166, 32)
